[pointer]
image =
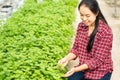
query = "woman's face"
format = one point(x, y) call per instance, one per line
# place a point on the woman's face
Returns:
point(87, 16)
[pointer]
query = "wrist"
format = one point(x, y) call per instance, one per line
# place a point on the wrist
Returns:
point(66, 58)
point(75, 69)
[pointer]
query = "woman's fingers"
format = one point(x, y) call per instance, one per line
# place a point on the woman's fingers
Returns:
point(69, 73)
point(63, 61)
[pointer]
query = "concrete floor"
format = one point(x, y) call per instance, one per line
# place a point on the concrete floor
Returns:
point(108, 12)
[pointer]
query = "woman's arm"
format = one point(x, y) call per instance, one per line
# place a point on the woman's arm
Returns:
point(81, 68)
point(67, 58)
point(76, 69)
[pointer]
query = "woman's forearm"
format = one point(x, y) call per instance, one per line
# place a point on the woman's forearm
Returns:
point(81, 68)
point(76, 69)
point(70, 56)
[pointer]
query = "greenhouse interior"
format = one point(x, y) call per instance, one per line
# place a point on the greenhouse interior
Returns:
point(36, 34)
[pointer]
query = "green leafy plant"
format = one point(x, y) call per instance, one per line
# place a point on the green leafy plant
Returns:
point(62, 68)
point(35, 38)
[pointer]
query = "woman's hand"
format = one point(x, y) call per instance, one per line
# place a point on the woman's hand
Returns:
point(76, 69)
point(63, 61)
point(69, 73)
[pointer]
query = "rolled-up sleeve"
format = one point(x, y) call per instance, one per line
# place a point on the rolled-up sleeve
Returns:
point(75, 46)
point(74, 49)
point(102, 53)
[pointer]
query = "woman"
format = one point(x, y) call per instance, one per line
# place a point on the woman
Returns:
point(93, 44)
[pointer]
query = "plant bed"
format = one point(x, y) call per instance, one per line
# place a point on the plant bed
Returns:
point(34, 38)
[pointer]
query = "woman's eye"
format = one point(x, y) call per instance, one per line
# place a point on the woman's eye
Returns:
point(87, 15)
point(81, 15)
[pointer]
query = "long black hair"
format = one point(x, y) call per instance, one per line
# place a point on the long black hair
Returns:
point(94, 7)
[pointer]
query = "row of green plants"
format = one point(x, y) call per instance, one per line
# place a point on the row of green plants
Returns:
point(34, 38)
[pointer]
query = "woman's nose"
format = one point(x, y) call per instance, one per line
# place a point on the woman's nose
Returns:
point(84, 18)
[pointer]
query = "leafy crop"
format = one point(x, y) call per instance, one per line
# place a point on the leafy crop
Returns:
point(35, 38)
point(62, 68)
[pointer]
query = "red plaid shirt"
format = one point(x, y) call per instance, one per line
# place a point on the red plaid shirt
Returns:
point(99, 59)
